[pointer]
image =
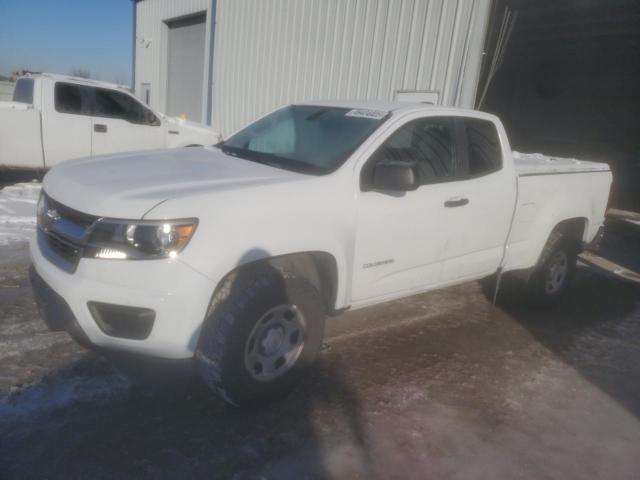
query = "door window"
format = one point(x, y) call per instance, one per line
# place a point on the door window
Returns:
point(71, 98)
point(429, 143)
point(483, 147)
point(114, 104)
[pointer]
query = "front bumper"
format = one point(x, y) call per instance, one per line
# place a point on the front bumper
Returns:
point(55, 311)
point(177, 294)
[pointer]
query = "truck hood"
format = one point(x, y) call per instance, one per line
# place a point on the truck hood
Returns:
point(129, 185)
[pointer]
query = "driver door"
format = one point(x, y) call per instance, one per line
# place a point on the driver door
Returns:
point(120, 123)
point(401, 236)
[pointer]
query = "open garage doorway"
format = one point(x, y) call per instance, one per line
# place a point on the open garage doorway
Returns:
point(564, 76)
point(185, 66)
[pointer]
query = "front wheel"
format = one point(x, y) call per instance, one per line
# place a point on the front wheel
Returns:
point(555, 270)
point(265, 327)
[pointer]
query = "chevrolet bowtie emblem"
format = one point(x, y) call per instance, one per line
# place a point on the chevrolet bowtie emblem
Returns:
point(53, 215)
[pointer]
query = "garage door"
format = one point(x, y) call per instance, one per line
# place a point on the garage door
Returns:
point(185, 67)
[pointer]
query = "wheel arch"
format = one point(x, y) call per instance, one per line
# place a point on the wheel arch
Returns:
point(318, 267)
point(574, 229)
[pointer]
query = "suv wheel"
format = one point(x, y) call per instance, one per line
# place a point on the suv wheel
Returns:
point(264, 328)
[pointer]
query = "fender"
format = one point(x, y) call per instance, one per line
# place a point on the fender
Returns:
point(236, 229)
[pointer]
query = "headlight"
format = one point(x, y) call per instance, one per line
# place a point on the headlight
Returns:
point(118, 239)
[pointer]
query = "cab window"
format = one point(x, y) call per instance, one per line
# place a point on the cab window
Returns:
point(23, 93)
point(483, 147)
point(71, 98)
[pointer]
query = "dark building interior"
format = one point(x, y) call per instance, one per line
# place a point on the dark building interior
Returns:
point(564, 76)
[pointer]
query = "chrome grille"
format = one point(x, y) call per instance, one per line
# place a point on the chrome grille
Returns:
point(62, 233)
point(66, 250)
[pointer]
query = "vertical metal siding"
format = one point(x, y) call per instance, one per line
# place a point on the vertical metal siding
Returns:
point(273, 52)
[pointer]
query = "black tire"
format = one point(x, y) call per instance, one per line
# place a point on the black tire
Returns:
point(240, 303)
point(539, 291)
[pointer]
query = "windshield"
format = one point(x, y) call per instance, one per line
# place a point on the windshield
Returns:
point(304, 138)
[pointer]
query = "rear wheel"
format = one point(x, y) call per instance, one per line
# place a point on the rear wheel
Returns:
point(555, 270)
point(265, 327)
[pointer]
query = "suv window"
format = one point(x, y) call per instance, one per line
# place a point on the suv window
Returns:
point(69, 98)
point(428, 142)
point(483, 147)
point(114, 104)
point(23, 92)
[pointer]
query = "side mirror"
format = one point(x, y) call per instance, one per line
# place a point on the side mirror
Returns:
point(150, 118)
point(395, 175)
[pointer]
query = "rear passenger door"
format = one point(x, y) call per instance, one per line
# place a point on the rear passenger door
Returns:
point(66, 124)
point(120, 123)
point(478, 215)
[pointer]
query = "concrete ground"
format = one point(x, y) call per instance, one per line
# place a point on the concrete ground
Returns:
point(442, 385)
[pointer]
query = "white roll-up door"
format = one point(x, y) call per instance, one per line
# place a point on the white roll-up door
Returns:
point(185, 67)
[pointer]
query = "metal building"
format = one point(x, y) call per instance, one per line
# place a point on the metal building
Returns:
point(226, 62)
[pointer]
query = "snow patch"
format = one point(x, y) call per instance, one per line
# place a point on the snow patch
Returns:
point(18, 212)
point(10, 346)
point(538, 163)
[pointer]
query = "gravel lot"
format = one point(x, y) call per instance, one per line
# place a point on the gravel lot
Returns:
point(441, 385)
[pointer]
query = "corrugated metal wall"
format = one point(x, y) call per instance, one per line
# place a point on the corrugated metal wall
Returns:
point(272, 52)
point(151, 43)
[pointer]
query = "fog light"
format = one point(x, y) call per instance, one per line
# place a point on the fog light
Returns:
point(122, 321)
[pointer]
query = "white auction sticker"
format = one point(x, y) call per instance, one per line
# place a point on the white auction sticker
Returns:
point(365, 113)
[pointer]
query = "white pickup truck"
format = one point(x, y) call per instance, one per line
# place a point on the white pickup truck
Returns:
point(234, 254)
point(53, 118)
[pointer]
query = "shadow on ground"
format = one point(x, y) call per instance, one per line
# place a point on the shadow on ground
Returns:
point(592, 330)
point(441, 385)
point(172, 428)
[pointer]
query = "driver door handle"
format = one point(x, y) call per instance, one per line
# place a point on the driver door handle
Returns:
point(100, 128)
point(456, 202)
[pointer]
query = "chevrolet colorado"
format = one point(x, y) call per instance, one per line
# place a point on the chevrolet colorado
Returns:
point(235, 254)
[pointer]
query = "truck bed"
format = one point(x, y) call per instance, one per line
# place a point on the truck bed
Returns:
point(547, 196)
point(20, 136)
point(527, 164)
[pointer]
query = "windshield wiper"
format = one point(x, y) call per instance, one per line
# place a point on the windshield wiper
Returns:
point(273, 160)
point(234, 152)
